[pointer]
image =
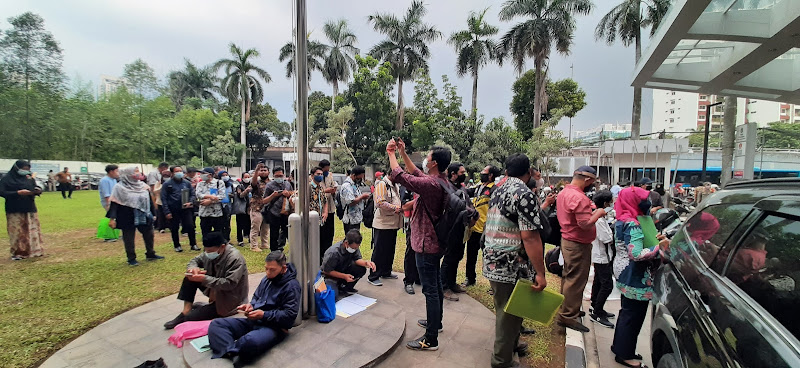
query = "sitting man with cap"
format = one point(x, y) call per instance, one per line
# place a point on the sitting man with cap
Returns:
point(268, 316)
point(342, 265)
point(220, 272)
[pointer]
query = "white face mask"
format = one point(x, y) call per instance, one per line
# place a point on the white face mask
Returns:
point(540, 183)
point(246, 180)
point(425, 168)
point(351, 250)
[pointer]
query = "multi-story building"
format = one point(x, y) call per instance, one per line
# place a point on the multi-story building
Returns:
point(109, 84)
point(604, 132)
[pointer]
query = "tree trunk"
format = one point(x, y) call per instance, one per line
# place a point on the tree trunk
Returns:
point(539, 96)
point(636, 117)
point(728, 138)
point(474, 112)
point(335, 93)
point(243, 136)
point(400, 109)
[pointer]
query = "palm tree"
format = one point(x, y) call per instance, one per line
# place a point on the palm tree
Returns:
point(626, 22)
point(549, 23)
point(241, 83)
point(192, 82)
point(475, 49)
point(405, 48)
point(339, 60)
point(315, 58)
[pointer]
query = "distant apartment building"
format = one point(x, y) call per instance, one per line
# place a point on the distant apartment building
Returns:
point(109, 84)
point(685, 111)
point(604, 132)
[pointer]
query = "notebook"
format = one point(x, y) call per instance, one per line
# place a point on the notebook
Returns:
point(539, 306)
point(649, 231)
point(201, 344)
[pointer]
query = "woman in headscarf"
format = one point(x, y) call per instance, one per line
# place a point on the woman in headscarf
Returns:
point(19, 189)
point(226, 202)
point(634, 265)
point(133, 209)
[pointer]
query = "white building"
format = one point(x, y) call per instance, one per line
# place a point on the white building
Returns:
point(109, 84)
point(604, 132)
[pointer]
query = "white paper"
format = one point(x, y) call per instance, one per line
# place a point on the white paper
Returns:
point(347, 307)
point(360, 300)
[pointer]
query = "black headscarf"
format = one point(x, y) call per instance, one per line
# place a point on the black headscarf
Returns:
point(16, 181)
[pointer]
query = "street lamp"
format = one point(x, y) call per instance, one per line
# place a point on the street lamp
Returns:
point(705, 139)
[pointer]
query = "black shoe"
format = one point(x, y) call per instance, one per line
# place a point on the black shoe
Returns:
point(237, 361)
point(622, 361)
point(607, 315)
point(422, 343)
point(521, 350)
point(175, 321)
point(350, 290)
point(154, 257)
point(178, 249)
point(527, 331)
point(581, 314)
point(390, 277)
point(575, 325)
point(376, 282)
point(410, 289)
point(131, 263)
point(602, 320)
point(241, 244)
point(424, 324)
point(194, 247)
point(468, 283)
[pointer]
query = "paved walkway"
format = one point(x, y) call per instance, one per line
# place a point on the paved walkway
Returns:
point(138, 335)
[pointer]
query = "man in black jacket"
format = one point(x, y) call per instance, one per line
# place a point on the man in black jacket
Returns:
point(177, 201)
point(269, 315)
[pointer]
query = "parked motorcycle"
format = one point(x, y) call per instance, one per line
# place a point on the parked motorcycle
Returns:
point(667, 221)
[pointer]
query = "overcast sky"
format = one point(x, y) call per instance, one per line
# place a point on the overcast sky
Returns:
point(100, 37)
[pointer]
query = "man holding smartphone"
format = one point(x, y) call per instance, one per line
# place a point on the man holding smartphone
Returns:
point(343, 266)
point(276, 192)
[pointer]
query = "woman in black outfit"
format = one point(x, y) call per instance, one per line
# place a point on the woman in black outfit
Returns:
point(133, 209)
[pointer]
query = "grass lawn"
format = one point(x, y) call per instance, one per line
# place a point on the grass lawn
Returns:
point(81, 282)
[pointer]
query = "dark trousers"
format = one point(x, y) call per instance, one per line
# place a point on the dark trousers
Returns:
point(348, 227)
point(629, 324)
point(506, 327)
point(202, 313)
point(185, 218)
point(602, 286)
point(428, 267)
point(473, 245)
point(326, 232)
point(128, 237)
point(338, 284)
point(242, 337)
point(278, 231)
point(64, 187)
point(449, 271)
point(410, 263)
point(210, 224)
point(242, 227)
point(226, 226)
point(383, 254)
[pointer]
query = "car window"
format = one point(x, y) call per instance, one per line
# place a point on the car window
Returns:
point(710, 228)
point(766, 266)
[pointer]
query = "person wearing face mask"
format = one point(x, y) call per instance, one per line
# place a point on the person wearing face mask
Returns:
point(226, 202)
point(269, 316)
point(353, 199)
point(161, 222)
point(277, 191)
point(318, 201)
point(19, 190)
point(457, 175)
point(327, 230)
point(177, 198)
point(220, 273)
point(132, 209)
point(211, 192)
point(655, 198)
point(577, 221)
point(388, 219)
point(241, 208)
point(259, 224)
point(343, 266)
point(480, 200)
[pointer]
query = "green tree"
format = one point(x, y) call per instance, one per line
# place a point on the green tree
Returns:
point(339, 60)
point(626, 22)
point(781, 135)
point(493, 144)
point(405, 48)
point(565, 95)
point(223, 150)
point(318, 105)
point(242, 84)
point(440, 119)
point(141, 78)
point(547, 142)
point(264, 129)
point(192, 82)
point(369, 94)
point(548, 24)
point(475, 48)
point(338, 128)
point(315, 57)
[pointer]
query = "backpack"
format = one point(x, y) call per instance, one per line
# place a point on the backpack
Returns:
point(369, 211)
point(551, 261)
point(454, 220)
point(337, 198)
point(554, 237)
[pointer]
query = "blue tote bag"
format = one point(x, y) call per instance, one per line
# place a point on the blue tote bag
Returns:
point(326, 301)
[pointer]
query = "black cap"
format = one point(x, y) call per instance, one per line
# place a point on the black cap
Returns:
point(213, 239)
point(209, 170)
point(587, 171)
point(645, 180)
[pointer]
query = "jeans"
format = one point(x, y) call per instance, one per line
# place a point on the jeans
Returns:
point(473, 246)
point(449, 272)
point(383, 254)
point(245, 338)
point(185, 218)
point(128, 237)
point(629, 324)
point(428, 267)
point(278, 231)
point(410, 263)
point(506, 327)
point(211, 224)
point(602, 286)
point(242, 227)
point(187, 293)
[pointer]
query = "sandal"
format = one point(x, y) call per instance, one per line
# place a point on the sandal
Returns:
point(622, 361)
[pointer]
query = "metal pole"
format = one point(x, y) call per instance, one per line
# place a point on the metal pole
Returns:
point(644, 160)
point(301, 72)
point(705, 139)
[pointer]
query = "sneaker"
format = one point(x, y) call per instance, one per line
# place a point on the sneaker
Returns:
point(450, 295)
point(575, 325)
point(424, 324)
point(133, 263)
point(607, 315)
point(422, 343)
point(178, 249)
point(154, 257)
point(390, 277)
point(521, 350)
point(175, 321)
point(17, 258)
point(410, 289)
point(457, 288)
point(376, 282)
point(351, 290)
point(255, 249)
point(468, 283)
point(194, 247)
point(162, 231)
point(527, 331)
point(602, 320)
point(241, 244)
point(109, 240)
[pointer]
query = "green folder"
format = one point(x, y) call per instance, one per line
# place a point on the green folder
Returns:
point(649, 231)
point(539, 306)
point(201, 344)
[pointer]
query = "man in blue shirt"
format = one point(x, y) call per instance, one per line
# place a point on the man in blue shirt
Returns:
point(107, 184)
point(177, 202)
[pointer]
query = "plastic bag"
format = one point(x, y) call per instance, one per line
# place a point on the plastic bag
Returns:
point(106, 232)
point(326, 303)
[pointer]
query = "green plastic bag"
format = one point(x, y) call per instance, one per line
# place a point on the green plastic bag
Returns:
point(106, 232)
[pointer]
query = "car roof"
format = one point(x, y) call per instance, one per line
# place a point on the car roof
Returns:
point(776, 182)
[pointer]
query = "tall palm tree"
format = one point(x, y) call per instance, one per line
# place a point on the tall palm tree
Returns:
point(241, 83)
point(192, 82)
point(339, 60)
point(315, 57)
point(626, 22)
point(405, 48)
point(549, 23)
point(475, 49)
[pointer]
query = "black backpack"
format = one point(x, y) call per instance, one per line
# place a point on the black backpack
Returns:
point(551, 261)
point(369, 211)
point(554, 236)
point(455, 218)
point(338, 199)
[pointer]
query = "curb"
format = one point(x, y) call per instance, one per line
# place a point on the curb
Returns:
point(575, 351)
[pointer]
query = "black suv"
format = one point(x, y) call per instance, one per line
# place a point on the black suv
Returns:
point(729, 294)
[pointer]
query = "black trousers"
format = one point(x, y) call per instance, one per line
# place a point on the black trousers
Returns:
point(629, 324)
point(209, 224)
point(226, 225)
point(161, 219)
point(185, 218)
point(602, 285)
point(473, 246)
point(278, 231)
point(129, 236)
point(326, 232)
point(64, 187)
point(202, 313)
point(410, 263)
point(338, 284)
point(348, 227)
point(449, 270)
point(383, 254)
point(242, 227)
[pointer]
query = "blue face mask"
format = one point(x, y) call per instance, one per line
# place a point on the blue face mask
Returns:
point(178, 175)
point(279, 180)
point(24, 172)
point(319, 178)
point(325, 174)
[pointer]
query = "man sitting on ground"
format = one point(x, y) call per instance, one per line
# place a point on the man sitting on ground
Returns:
point(342, 265)
point(269, 316)
point(220, 273)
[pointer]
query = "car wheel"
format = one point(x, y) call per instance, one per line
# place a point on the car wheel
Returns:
point(670, 360)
